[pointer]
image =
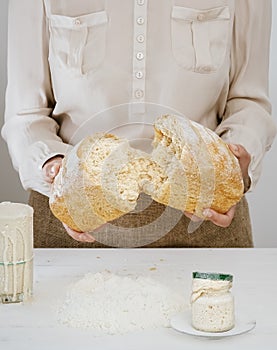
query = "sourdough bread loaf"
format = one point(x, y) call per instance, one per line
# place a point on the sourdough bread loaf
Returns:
point(100, 180)
point(202, 171)
point(190, 169)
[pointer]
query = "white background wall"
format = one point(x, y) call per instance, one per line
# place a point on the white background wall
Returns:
point(262, 201)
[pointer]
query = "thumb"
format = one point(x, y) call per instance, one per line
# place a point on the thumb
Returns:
point(54, 169)
point(51, 169)
point(234, 149)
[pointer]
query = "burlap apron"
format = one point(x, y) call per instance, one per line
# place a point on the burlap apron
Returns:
point(151, 225)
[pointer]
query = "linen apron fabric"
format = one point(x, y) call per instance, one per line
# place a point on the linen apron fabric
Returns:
point(151, 225)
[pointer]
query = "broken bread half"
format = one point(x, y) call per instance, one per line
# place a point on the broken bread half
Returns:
point(100, 180)
point(202, 171)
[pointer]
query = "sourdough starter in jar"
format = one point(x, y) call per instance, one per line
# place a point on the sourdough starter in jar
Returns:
point(212, 304)
point(16, 252)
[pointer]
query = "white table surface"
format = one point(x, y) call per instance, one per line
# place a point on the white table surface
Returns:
point(34, 325)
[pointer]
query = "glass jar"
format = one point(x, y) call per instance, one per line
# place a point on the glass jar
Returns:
point(16, 252)
point(212, 304)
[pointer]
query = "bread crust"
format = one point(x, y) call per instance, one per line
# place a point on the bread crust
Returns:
point(190, 169)
point(208, 172)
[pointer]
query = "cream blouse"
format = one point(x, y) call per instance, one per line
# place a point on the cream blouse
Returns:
point(76, 67)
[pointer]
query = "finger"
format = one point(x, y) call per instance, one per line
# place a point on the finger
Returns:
point(222, 220)
point(79, 236)
point(51, 169)
point(235, 149)
point(188, 215)
point(84, 237)
point(193, 217)
point(240, 152)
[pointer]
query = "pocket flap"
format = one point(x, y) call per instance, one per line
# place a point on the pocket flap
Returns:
point(88, 20)
point(192, 15)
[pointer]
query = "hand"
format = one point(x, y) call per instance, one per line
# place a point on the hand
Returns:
point(222, 220)
point(244, 159)
point(51, 168)
point(50, 171)
point(82, 236)
point(79, 236)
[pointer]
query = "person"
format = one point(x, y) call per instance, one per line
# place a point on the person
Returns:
point(77, 67)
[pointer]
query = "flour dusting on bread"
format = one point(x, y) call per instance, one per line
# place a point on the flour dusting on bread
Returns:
point(190, 169)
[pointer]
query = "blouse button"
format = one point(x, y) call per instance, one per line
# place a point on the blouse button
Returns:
point(139, 74)
point(140, 56)
point(201, 17)
point(140, 38)
point(139, 93)
point(140, 20)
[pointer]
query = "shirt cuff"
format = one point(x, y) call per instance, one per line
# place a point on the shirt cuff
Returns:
point(30, 167)
point(247, 138)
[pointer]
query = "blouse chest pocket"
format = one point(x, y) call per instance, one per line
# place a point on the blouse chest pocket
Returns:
point(200, 37)
point(78, 43)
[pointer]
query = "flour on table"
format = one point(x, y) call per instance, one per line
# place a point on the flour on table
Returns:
point(114, 304)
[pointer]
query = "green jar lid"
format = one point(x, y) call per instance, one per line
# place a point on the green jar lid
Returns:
point(213, 276)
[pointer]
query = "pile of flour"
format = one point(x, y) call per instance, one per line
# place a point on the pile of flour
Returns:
point(112, 304)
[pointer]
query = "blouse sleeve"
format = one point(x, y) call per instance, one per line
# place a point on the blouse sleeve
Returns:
point(247, 119)
point(29, 129)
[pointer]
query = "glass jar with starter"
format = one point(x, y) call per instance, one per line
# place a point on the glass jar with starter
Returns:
point(212, 304)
